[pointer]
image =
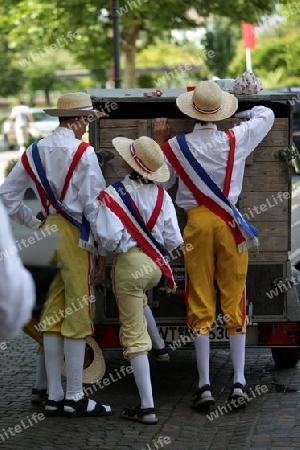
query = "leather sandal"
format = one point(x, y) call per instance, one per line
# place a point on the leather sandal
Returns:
point(53, 408)
point(138, 415)
point(238, 400)
point(38, 396)
point(203, 403)
point(79, 409)
point(158, 354)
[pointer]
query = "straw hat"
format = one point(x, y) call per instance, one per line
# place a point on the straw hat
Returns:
point(207, 102)
point(144, 155)
point(94, 363)
point(74, 104)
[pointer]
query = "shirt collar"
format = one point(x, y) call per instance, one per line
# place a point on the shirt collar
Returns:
point(63, 131)
point(208, 126)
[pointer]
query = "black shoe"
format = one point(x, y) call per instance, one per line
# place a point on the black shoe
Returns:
point(203, 403)
point(53, 408)
point(160, 354)
point(79, 409)
point(238, 400)
point(139, 415)
point(38, 396)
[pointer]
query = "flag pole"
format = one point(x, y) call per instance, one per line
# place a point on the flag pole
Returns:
point(248, 60)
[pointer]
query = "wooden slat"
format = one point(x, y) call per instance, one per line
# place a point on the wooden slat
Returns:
point(257, 209)
point(265, 256)
point(128, 128)
point(262, 171)
point(267, 229)
point(276, 243)
point(266, 154)
point(251, 184)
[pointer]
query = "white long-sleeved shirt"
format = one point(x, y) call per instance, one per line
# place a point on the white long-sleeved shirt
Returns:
point(56, 152)
point(210, 147)
point(17, 290)
point(114, 237)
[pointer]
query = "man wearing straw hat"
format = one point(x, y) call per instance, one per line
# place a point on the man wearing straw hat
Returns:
point(209, 164)
point(137, 221)
point(65, 174)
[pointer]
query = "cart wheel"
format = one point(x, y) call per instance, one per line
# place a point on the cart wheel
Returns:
point(285, 357)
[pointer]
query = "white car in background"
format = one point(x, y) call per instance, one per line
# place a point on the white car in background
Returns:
point(42, 126)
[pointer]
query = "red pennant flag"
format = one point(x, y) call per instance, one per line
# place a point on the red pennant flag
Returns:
point(248, 32)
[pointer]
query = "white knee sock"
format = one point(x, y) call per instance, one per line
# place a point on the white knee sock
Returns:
point(141, 372)
point(237, 349)
point(53, 345)
point(202, 346)
point(40, 374)
point(74, 350)
point(157, 341)
point(74, 356)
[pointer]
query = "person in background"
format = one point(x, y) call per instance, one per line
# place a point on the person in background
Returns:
point(17, 289)
point(39, 391)
point(137, 221)
point(20, 114)
point(65, 173)
point(209, 165)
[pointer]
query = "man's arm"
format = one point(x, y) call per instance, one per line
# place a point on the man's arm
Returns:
point(251, 132)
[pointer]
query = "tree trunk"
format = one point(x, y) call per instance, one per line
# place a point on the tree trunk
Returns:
point(131, 35)
point(47, 96)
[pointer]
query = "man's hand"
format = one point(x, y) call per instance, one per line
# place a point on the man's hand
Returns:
point(99, 270)
point(161, 130)
point(243, 114)
point(42, 218)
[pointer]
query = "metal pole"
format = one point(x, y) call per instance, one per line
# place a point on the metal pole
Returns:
point(116, 43)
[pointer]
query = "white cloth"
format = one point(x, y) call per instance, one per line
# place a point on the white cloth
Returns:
point(53, 345)
point(210, 146)
point(114, 237)
point(202, 347)
point(20, 114)
point(17, 290)
point(56, 152)
point(238, 349)
point(157, 341)
point(74, 350)
point(141, 372)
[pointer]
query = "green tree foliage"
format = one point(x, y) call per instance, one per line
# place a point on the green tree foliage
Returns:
point(11, 75)
point(177, 66)
point(221, 37)
point(85, 27)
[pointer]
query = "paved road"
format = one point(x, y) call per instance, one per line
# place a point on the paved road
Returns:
point(271, 421)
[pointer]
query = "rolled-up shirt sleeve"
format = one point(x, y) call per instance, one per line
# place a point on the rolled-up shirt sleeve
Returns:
point(17, 290)
point(251, 132)
point(109, 230)
point(171, 233)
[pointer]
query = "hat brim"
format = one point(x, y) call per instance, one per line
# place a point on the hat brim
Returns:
point(96, 370)
point(74, 112)
point(122, 145)
point(229, 106)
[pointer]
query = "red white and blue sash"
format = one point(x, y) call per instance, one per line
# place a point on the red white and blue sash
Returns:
point(33, 166)
point(206, 192)
point(118, 200)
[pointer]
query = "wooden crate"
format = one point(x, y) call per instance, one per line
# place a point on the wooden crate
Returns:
point(265, 176)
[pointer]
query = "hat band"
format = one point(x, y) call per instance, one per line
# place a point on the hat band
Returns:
point(206, 111)
point(138, 160)
point(84, 107)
